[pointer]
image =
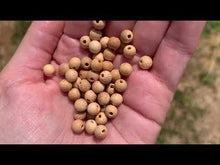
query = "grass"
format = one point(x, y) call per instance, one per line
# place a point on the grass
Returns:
point(208, 79)
point(210, 27)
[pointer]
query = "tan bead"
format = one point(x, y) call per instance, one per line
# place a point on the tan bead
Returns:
point(101, 118)
point(90, 126)
point(145, 62)
point(99, 24)
point(125, 69)
point(95, 47)
point(63, 68)
point(115, 75)
point(93, 108)
point(78, 126)
point(80, 105)
point(114, 43)
point(84, 42)
point(126, 36)
point(110, 88)
point(48, 70)
point(120, 85)
point(107, 65)
point(104, 42)
point(84, 85)
point(83, 74)
point(88, 116)
point(74, 94)
point(75, 63)
point(92, 76)
point(96, 65)
point(103, 98)
point(129, 51)
point(105, 77)
point(79, 115)
point(86, 62)
point(76, 83)
point(116, 99)
point(95, 34)
point(99, 56)
point(71, 75)
point(65, 86)
point(109, 54)
point(90, 96)
point(98, 87)
point(101, 132)
point(111, 111)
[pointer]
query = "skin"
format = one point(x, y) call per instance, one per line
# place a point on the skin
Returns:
point(34, 110)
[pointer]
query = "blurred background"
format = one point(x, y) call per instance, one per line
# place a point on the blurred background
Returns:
point(194, 114)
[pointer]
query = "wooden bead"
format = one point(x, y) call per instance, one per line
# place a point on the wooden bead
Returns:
point(75, 63)
point(79, 115)
point(84, 42)
point(63, 68)
point(107, 65)
point(83, 74)
point(95, 47)
point(99, 56)
point(120, 85)
point(88, 116)
point(125, 69)
point(111, 111)
point(103, 98)
point(84, 85)
point(93, 108)
point(116, 99)
point(71, 75)
point(98, 87)
point(110, 88)
point(101, 132)
point(99, 25)
point(129, 51)
point(105, 77)
point(109, 54)
point(101, 118)
point(114, 43)
point(104, 42)
point(65, 86)
point(96, 65)
point(90, 126)
point(48, 70)
point(76, 83)
point(92, 76)
point(74, 94)
point(90, 96)
point(86, 62)
point(115, 75)
point(95, 34)
point(80, 105)
point(145, 62)
point(126, 36)
point(78, 126)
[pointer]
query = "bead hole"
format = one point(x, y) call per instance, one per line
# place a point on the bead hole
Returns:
point(111, 86)
point(102, 75)
point(99, 61)
point(129, 48)
point(100, 116)
point(111, 113)
point(91, 79)
point(129, 36)
point(82, 126)
point(121, 81)
point(103, 131)
point(86, 64)
point(97, 21)
point(84, 41)
point(141, 61)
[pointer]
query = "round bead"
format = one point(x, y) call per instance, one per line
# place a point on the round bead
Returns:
point(99, 56)
point(92, 76)
point(115, 75)
point(83, 74)
point(95, 34)
point(65, 86)
point(104, 42)
point(120, 85)
point(103, 98)
point(76, 83)
point(80, 105)
point(145, 62)
point(129, 51)
point(74, 94)
point(90, 96)
point(125, 69)
point(110, 88)
point(93, 108)
point(101, 132)
point(86, 62)
point(84, 42)
point(71, 75)
point(111, 111)
point(126, 36)
point(84, 85)
point(78, 126)
point(63, 68)
point(107, 65)
point(48, 70)
point(109, 54)
point(75, 63)
point(95, 47)
point(114, 43)
point(116, 99)
point(105, 77)
point(90, 126)
point(96, 65)
point(99, 24)
point(98, 87)
point(101, 118)
point(79, 115)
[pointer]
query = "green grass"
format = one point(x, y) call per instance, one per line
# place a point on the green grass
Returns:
point(218, 59)
point(211, 26)
point(208, 79)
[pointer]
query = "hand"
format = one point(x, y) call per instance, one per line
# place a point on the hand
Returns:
point(34, 110)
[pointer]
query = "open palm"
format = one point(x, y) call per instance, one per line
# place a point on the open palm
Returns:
point(34, 110)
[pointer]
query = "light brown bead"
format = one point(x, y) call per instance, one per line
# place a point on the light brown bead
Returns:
point(90, 126)
point(79, 115)
point(110, 88)
point(80, 105)
point(99, 56)
point(71, 75)
point(104, 42)
point(101, 132)
point(84, 85)
point(75, 63)
point(95, 47)
point(114, 43)
point(99, 24)
point(103, 98)
point(63, 68)
point(145, 62)
point(83, 74)
point(65, 86)
point(84, 42)
point(88, 116)
point(92, 76)
point(86, 62)
point(115, 75)
point(105, 77)
point(101, 118)
point(125, 69)
point(107, 65)
point(78, 126)
point(95, 34)
point(48, 70)
point(129, 51)
point(111, 111)
point(126, 36)
point(76, 83)
point(109, 54)
point(90, 96)
point(93, 108)
point(96, 65)
point(98, 87)
point(120, 85)
point(74, 94)
point(116, 99)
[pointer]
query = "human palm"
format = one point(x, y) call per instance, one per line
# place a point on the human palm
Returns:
point(34, 110)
